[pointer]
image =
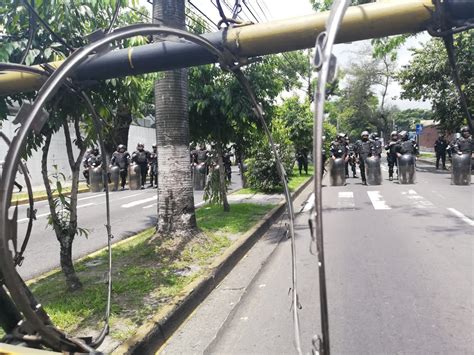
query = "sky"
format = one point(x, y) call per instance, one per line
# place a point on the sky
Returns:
point(267, 10)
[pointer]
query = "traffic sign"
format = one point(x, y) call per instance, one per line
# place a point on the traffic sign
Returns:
point(419, 128)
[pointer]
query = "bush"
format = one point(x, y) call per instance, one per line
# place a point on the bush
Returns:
point(262, 173)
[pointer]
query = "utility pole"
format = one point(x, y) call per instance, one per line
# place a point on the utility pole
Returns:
point(175, 189)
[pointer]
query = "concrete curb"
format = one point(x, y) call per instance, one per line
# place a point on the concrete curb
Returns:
point(156, 331)
point(25, 201)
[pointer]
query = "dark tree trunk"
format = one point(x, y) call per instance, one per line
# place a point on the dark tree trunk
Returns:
point(119, 134)
point(175, 190)
point(222, 182)
point(67, 266)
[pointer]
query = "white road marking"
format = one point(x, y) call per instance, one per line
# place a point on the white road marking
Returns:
point(128, 196)
point(150, 206)
point(139, 202)
point(417, 200)
point(345, 199)
point(377, 201)
point(461, 216)
point(89, 197)
point(87, 204)
point(199, 204)
point(37, 216)
point(309, 204)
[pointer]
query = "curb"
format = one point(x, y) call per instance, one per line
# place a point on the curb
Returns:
point(25, 201)
point(153, 334)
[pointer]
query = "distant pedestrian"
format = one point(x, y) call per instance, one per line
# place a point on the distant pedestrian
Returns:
point(440, 147)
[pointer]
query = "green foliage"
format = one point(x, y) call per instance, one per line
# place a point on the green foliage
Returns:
point(406, 120)
point(62, 205)
point(324, 5)
point(262, 171)
point(298, 120)
point(428, 77)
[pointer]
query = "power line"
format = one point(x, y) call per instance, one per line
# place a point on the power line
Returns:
point(203, 13)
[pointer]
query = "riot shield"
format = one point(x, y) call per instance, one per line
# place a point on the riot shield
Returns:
point(337, 174)
point(134, 177)
point(373, 171)
point(199, 176)
point(96, 179)
point(114, 177)
point(461, 169)
point(406, 169)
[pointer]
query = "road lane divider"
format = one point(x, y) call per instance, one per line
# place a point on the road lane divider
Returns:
point(345, 200)
point(377, 201)
point(139, 202)
point(128, 196)
point(150, 206)
point(461, 216)
point(417, 200)
point(89, 197)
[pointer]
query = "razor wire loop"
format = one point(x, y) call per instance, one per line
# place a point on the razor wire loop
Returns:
point(31, 212)
point(325, 62)
point(49, 334)
point(446, 29)
point(245, 83)
point(33, 312)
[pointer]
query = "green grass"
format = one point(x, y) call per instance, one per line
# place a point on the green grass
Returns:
point(295, 181)
point(427, 155)
point(18, 196)
point(148, 273)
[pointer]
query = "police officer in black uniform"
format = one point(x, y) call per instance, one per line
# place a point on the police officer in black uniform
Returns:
point(140, 157)
point(463, 144)
point(153, 163)
point(228, 164)
point(364, 148)
point(351, 159)
point(405, 145)
point(390, 147)
point(121, 158)
point(94, 159)
point(85, 164)
point(302, 160)
point(440, 148)
point(338, 147)
point(377, 143)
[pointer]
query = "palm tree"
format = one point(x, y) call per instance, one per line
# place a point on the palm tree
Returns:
point(175, 189)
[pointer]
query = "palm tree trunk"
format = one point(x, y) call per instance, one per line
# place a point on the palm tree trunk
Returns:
point(175, 190)
point(222, 181)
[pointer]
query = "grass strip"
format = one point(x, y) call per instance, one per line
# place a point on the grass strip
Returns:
point(19, 196)
point(148, 273)
point(295, 181)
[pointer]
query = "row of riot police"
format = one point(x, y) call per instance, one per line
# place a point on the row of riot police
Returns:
point(122, 165)
point(367, 153)
point(202, 161)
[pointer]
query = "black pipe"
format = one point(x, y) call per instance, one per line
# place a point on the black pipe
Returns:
point(166, 55)
point(460, 9)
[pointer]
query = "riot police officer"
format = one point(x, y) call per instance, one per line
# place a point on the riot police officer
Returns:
point(463, 144)
point(390, 147)
point(228, 164)
point(440, 148)
point(94, 159)
point(377, 143)
point(351, 161)
point(121, 159)
point(302, 160)
point(85, 164)
point(153, 163)
point(405, 145)
point(462, 158)
point(338, 147)
point(364, 148)
point(140, 157)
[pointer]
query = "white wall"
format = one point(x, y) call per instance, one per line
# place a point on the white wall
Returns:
point(144, 135)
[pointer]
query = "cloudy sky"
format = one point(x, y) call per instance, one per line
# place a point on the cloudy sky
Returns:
point(267, 10)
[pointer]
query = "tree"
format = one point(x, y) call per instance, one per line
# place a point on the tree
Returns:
point(324, 5)
point(176, 215)
point(29, 42)
point(428, 77)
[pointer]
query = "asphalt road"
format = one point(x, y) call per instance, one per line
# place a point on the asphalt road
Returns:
point(131, 212)
point(399, 263)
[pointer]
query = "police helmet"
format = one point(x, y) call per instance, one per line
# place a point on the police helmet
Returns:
point(121, 146)
point(465, 129)
point(140, 145)
point(403, 134)
point(154, 146)
point(375, 136)
point(365, 133)
point(341, 135)
point(394, 133)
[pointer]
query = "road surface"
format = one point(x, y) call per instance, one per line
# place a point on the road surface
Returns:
point(131, 212)
point(399, 264)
